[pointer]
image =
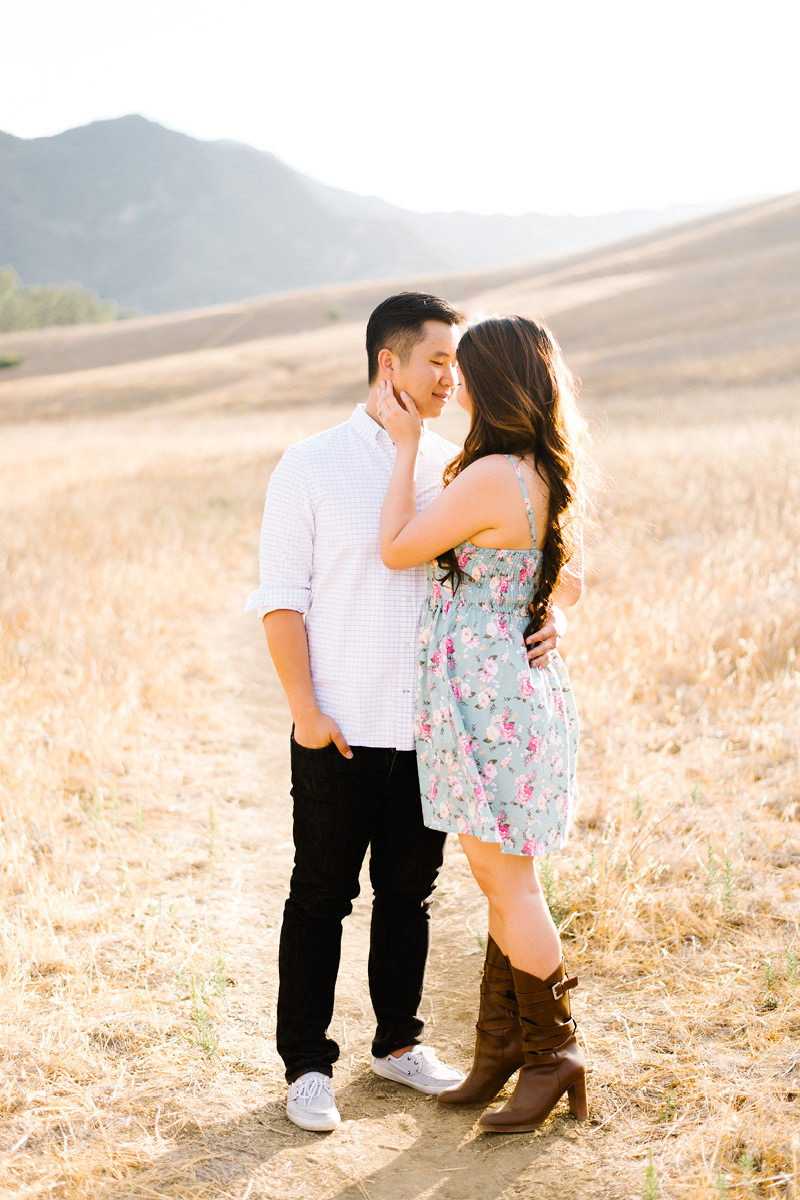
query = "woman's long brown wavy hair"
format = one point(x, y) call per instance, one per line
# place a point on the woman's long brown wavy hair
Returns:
point(523, 403)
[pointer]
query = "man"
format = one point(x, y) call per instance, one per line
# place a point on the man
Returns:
point(342, 632)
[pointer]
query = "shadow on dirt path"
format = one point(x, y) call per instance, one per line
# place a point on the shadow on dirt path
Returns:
point(394, 1144)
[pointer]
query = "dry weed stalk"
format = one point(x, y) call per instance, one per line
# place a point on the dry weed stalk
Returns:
point(677, 895)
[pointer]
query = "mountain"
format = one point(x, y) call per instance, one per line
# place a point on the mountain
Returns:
point(160, 222)
point(667, 319)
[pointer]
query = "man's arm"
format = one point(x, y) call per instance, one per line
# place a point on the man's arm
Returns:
point(288, 647)
point(284, 597)
point(542, 644)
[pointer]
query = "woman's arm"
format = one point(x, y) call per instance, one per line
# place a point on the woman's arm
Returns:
point(464, 509)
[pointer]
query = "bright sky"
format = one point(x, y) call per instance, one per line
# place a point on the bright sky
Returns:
point(499, 106)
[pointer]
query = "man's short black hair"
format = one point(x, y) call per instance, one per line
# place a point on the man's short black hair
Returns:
point(398, 322)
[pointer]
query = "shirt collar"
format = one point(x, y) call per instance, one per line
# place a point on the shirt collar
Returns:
point(373, 433)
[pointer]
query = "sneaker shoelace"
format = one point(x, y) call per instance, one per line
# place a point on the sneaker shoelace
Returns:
point(423, 1056)
point(311, 1088)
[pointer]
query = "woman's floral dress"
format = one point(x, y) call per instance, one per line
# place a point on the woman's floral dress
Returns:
point(496, 739)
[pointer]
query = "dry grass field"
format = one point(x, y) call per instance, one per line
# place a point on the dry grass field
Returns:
point(144, 769)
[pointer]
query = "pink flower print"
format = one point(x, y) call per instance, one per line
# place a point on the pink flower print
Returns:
point(491, 733)
point(433, 790)
point(482, 699)
point(483, 569)
point(502, 828)
point(524, 791)
point(558, 702)
point(502, 629)
point(463, 559)
point(526, 688)
point(531, 846)
point(449, 646)
point(557, 763)
point(425, 733)
point(436, 658)
point(464, 742)
point(480, 796)
point(436, 590)
point(466, 690)
point(456, 788)
point(504, 764)
point(503, 587)
point(490, 770)
point(489, 669)
point(456, 692)
point(491, 630)
point(535, 744)
point(508, 731)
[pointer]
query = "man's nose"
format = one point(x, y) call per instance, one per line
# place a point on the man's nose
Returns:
point(449, 376)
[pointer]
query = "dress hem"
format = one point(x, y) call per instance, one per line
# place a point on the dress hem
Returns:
point(506, 847)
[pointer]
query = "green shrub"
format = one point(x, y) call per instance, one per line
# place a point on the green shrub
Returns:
point(37, 306)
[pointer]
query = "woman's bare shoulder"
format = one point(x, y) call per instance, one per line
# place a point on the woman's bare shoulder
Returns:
point(491, 468)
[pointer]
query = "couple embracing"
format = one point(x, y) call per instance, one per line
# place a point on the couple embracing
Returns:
point(430, 700)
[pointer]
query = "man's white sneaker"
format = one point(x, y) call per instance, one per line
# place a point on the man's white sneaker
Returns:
point(311, 1104)
point(418, 1068)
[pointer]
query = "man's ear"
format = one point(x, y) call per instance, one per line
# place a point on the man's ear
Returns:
point(386, 362)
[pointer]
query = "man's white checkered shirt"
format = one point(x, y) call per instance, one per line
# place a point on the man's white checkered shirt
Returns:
point(320, 555)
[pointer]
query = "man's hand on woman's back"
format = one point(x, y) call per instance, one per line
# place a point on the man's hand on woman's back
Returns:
point(541, 645)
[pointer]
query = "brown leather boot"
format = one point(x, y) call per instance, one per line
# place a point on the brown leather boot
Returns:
point(554, 1062)
point(498, 1041)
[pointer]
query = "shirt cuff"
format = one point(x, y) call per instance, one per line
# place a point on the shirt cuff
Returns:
point(269, 599)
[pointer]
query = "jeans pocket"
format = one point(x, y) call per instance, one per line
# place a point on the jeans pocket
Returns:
point(312, 749)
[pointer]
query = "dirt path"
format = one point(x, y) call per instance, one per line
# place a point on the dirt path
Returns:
point(394, 1144)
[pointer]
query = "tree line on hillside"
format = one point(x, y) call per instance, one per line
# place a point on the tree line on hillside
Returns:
point(62, 304)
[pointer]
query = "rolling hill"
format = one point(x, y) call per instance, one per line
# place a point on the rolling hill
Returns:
point(711, 304)
point(159, 221)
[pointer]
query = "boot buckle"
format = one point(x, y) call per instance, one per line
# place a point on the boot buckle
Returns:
point(563, 986)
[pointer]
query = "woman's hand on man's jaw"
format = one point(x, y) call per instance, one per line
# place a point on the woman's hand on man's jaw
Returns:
point(400, 420)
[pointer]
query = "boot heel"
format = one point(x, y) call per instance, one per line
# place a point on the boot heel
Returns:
point(578, 1104)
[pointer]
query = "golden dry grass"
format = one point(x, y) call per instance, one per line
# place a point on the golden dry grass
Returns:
point(144, 804)
point(145, 825)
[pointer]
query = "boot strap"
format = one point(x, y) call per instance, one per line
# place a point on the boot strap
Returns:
point(556, 992)
point(543, 1035)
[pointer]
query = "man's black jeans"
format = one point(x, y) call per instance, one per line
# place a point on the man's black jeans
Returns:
point(341, 807)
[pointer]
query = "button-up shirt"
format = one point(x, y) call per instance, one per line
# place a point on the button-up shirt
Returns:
point(320, 556)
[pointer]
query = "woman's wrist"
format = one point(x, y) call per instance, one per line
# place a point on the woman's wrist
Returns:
point(406, 455)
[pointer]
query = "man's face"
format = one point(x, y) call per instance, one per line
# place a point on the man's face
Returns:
point(429, 373)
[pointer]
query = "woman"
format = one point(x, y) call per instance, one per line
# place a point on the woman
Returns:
point(496, 740)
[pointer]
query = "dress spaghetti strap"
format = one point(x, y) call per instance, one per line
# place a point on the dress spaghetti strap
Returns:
point(528, 506)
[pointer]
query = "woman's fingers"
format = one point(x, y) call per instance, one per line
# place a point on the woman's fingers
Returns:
point(409, 403)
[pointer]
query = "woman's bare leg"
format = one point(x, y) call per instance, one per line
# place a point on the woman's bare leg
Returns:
point(519, 919)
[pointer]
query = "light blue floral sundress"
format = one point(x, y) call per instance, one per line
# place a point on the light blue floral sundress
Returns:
point(496, 740)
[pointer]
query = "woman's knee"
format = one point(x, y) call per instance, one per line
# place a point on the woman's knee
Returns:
point(505, 881)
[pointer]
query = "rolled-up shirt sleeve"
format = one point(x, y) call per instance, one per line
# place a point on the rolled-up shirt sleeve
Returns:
point(287, 540)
